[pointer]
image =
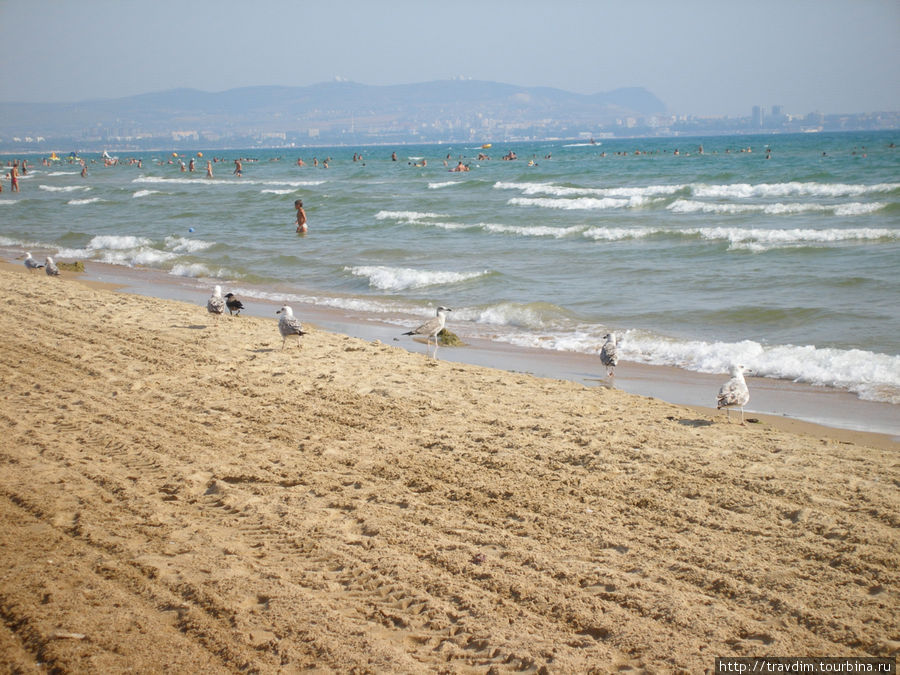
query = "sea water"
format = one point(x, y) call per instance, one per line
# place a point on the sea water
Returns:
point(779, 252)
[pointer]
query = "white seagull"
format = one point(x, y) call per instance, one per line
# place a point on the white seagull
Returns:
point(30, 263)
point(216, 303)
point(734, 392)
point(289, 325)
point(609, 355)
point(50, 267)
point(432, 327)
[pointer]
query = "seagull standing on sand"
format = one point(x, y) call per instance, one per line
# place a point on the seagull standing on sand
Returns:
point(289, 325)
point(50, 267)
point(734, 392)
point(216, 303)
point(609, 355)
point(431, 328)
point(233, 304)
point(30, 263)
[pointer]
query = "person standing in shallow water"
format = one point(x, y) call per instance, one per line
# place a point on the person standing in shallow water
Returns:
point(301, 217)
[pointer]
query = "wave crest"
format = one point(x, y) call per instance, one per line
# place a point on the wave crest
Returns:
point(401, 279)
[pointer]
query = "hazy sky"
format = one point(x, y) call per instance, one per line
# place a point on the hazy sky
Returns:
point(702, 57)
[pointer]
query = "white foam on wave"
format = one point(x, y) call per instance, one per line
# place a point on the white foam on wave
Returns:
point(82, 202)
point(179, 244)
point(777, 209)
point(738, 191)
point(147, 257)
point(145, 193)
point(871, 376)
point(581, 203)
point(620, 233)
point(276, 192)
point(120, 250)
point(790, 189)
point(199, 271)
point(63, 173)
point(117, 242)
point(857, 209)
point(792, 237)
point(750, 238)
point(564, 191)
point(438, 186)
point(406, 216)
point(443, 225)
point(9, 201)
point(401, 278)
point(523, 316)
point(63, 188)
point(533, 230)
point(128, 250)
point(291, 183)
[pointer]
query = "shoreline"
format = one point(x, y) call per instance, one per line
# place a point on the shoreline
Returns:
point(816, 411)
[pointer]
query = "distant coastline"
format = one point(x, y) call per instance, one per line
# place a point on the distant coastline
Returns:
point(339, 114)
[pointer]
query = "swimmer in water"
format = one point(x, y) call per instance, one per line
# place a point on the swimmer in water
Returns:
point(301, 217)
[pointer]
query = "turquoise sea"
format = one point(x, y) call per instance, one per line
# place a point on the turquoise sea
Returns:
point(778, 252)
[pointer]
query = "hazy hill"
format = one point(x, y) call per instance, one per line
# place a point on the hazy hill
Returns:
point(325, 106)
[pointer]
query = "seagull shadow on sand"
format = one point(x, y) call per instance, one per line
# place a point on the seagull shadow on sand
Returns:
point(601, 383)
point(692, 423)
point(195, 326)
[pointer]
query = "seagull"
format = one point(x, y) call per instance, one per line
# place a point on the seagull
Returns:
point(734, 392)
point(216, 304)
point(432, 327)
point(289, 325)
point(609, 355)
point(233, 304)
point(30, 263)
point(50, 267)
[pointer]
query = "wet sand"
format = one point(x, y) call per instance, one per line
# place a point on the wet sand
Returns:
point(178, 492)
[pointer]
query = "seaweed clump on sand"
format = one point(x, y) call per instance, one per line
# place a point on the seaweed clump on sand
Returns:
point(77, 266)
point(449, 339)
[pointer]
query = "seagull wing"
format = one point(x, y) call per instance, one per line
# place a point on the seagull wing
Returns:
point(733, 392)
point(290, 326)
point(429, 328)
point(609, 355)
point(215, 305)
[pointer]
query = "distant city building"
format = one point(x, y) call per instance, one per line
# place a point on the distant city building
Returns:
point(757, 117)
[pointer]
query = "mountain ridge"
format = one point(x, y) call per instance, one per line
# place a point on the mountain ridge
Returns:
point(328, 105)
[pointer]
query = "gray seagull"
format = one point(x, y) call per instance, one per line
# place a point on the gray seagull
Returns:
point(734, 393)
point(289, 325)
point(432, 327)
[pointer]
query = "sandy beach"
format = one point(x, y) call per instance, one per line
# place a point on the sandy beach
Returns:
point(180, 494)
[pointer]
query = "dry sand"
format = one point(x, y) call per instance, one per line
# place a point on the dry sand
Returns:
point(179, 495)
